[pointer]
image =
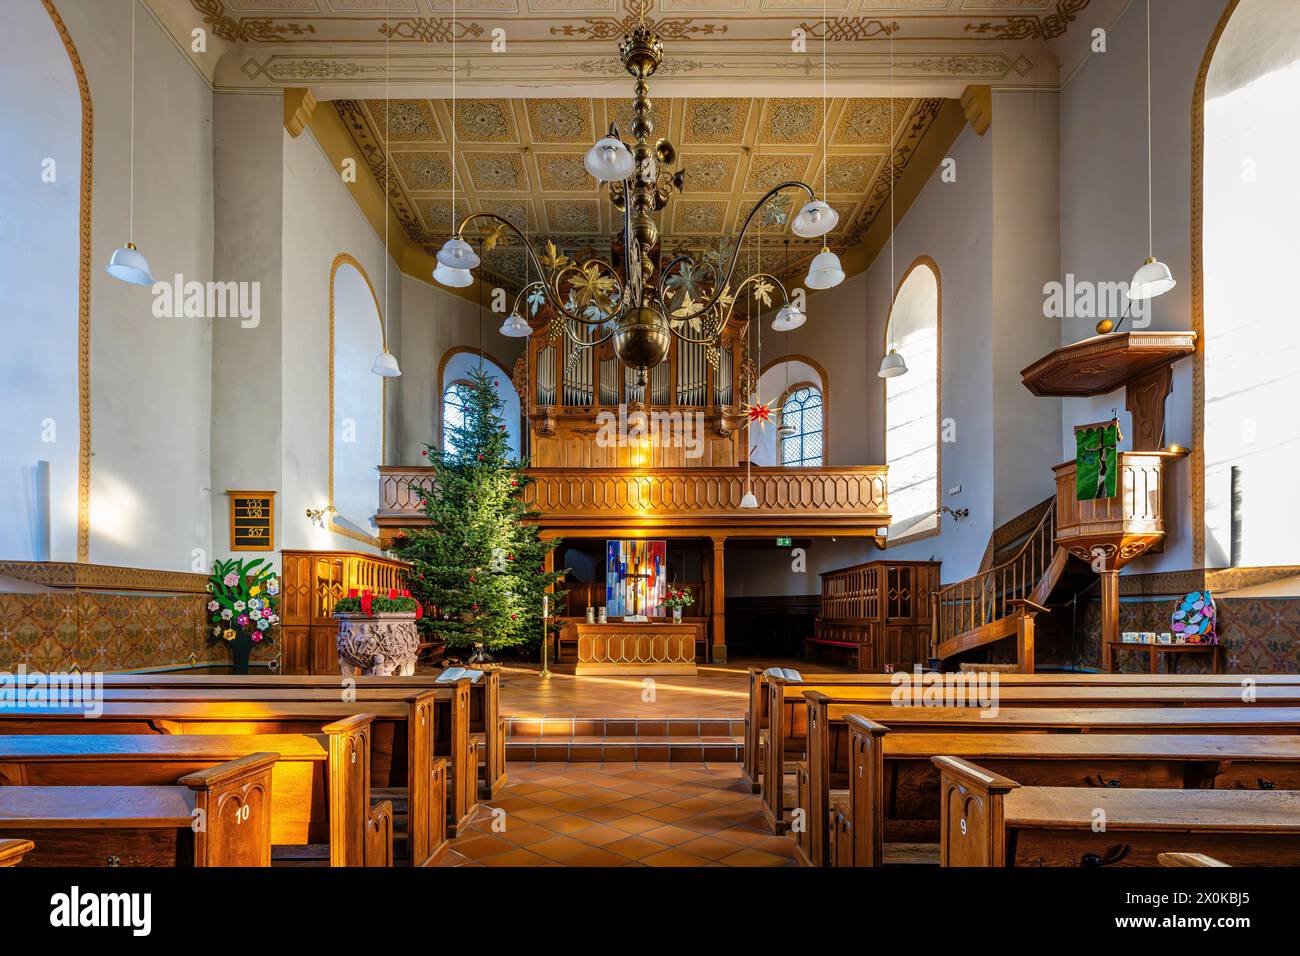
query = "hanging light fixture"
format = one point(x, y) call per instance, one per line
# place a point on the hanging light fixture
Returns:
point(385, 364)
point(816, 218)
point(634, 300)
point(749, 501)
point(892, 365)
point(515, 326)
point(788, 317)
point(128, 262)
point(1153, 277)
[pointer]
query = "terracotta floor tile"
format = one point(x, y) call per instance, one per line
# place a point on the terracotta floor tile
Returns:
point(538, 814)
point(600, 835)
point(635, 805)
point(559, 848)
point(566, 824)
point(517, 857)
point(709, 847)
point(670, 835)
point(668, 814)
point(596, 856)
point(526, 834)
point(604, 813)
point(636, 824)
point(752, 857)
point(572, 804)
point(635, 847)
point(674, 857)
point(479, 846)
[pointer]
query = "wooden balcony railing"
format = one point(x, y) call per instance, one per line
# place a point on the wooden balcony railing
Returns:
point(842, 500)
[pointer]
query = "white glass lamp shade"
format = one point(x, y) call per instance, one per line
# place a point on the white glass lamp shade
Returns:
point(609, 160)
point(788, 319)
point(1151, 280)
point(456, 253)
point(749, 501)
point(386, 365)
point(455, 278)
point(130, 266)
point(824, 272)
point(815, 219)
point(892, 365)
point(514, 326)
point(786, 430)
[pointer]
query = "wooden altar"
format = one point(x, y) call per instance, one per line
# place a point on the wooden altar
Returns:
point(648, 648)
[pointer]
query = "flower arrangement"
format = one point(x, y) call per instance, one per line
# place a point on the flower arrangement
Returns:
point(245, 595)
point(678, 598)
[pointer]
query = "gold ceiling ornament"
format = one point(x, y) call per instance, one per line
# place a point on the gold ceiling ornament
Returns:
point(640, 299)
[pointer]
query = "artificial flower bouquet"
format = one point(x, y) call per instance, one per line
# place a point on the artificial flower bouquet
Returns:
point(678, 598)
point(245, 595)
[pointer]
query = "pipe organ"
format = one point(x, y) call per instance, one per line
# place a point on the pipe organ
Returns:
point(570, 391)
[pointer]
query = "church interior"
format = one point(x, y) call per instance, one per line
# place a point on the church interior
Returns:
point(649, 434)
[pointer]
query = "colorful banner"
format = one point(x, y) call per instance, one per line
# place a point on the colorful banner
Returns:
point(636, 580)
point(1096, 461)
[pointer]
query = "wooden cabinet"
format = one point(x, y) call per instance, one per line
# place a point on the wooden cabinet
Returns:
point(311, 583)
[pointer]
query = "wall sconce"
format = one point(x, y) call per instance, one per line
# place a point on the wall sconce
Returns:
point(957, 515)
point(317, 515)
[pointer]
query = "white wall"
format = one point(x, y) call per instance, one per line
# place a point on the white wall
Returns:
point(433, 322)
point(320, 221)
point(39, 275)
point(1104, 207)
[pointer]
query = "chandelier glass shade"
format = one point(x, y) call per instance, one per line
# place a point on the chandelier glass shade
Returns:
point(642, 297)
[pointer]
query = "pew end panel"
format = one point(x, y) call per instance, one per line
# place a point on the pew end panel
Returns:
point(972, 829)
point(866, 793)
point(379, 835)
point(232, 811)
point(349, 792)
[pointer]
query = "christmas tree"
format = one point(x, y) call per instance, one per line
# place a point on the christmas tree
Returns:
point(479, 566)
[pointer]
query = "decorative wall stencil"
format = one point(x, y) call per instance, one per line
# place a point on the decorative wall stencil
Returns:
point(519, 212)
point(865, 122)
point(573, 215)
point(851, 174)
point(713, 172)
point(699, 215)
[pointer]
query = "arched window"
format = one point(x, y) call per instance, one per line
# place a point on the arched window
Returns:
point(802, 411)
point(1251, 338)
point(912, 405)
point(454, 399)
point(457, 368)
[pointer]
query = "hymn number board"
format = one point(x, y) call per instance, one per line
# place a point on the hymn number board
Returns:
point(252, 520)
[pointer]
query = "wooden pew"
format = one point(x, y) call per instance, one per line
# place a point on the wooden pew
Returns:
point(486, 722)
point(395, 762)
point(893, 787)
point(991, 820)
point(13, 851)
point(149, 826)
point(828, 754)
point(311, 782)
point(756, 721)
point(788, 720)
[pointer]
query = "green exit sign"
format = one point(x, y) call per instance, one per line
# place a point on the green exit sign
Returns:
point(784, 542)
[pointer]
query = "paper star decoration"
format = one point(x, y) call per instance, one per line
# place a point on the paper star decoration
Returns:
point(760, 412)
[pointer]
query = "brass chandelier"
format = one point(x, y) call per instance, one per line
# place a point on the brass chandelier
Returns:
point(639, 303)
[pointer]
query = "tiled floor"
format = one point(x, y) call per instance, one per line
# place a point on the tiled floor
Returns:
point(621, 814)
point(716, 691)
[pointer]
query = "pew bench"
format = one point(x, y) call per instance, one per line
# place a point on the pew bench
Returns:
point(1188, 859)
point(215, 817)
point(13, 851)
point(756, 722)
point(311, 782)
point(487, 726)
point(398, 759)
point(892, 794)
point(991, 820)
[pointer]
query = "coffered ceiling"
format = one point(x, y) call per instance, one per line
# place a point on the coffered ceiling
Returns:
point(522, 159)
point(503, 45)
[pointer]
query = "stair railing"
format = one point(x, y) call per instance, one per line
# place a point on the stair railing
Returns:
point(986, 597)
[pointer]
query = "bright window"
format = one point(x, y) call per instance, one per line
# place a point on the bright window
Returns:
point(802, 411)
point(912, 406)
point(454, 400)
